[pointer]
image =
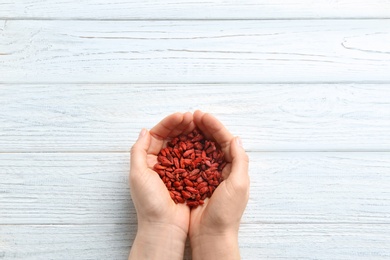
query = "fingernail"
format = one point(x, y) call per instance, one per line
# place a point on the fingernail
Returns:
point(142, 133)
point(239, 141)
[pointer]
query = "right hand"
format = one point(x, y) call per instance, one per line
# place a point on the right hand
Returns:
point(214, 226)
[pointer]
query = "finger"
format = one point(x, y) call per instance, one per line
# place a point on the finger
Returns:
point(166, 126)
point(239, 176)
point(138, 152)
point(171, 126)
point(213, 128)
point(190, 127)
point(180, 128)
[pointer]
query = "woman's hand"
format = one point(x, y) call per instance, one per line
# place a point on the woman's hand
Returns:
point(162, 224)
point(214, 226)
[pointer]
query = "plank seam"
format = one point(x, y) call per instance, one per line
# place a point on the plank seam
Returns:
point(202, 83)
point(248, 151)
point(189, 19)
point(242, 223)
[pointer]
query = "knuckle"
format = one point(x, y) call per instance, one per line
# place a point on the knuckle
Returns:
point(132, 148)
point(242, 186)
point(245, 157)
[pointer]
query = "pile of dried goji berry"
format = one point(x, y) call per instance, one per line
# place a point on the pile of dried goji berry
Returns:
point(191, 168)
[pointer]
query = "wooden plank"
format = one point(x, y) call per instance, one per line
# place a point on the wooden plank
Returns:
point(87, 188)
point(194, 51)
point(189, 9)
point(257, 241)
point(269, 117)
point(314, 241)
point(66, 241)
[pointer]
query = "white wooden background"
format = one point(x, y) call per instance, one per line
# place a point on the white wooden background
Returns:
point(306, 84)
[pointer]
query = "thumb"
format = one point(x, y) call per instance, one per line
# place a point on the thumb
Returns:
point(239, 176)
point(139, 151)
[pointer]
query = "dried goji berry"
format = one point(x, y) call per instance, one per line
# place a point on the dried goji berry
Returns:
point(191, 168)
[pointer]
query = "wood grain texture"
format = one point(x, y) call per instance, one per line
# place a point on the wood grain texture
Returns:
point(286, 188)
point(269, 117)
point(189, 9)
point(262, 241)
point(304, 83)
point(194, 51)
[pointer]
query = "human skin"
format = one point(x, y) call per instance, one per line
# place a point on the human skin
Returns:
point(163, 226)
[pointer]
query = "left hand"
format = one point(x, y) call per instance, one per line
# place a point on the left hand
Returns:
point(162, 224)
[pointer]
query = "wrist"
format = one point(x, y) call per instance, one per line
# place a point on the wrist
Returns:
point(158, 241)
point(215, 245)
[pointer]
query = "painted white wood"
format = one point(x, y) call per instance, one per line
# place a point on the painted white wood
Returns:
point(194, 51)
point(64, 140)
point(286, 188)
point(269, 117)
point(189, 9)
point(259, 241)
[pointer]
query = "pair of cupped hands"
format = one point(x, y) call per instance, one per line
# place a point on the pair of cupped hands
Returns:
point(163, 226)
